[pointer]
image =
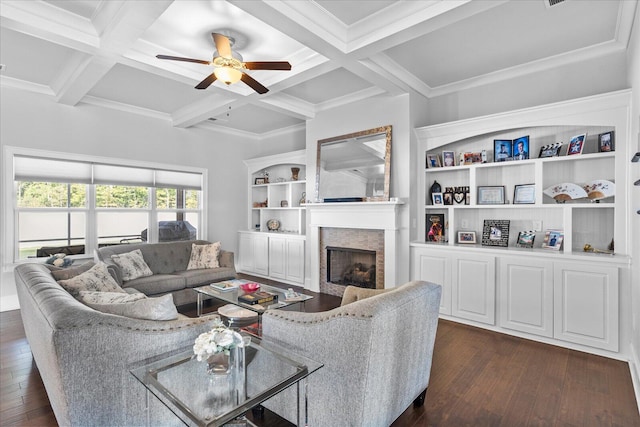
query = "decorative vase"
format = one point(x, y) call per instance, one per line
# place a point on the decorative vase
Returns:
point(294, 173)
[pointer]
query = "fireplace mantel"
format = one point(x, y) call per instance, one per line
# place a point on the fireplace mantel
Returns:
point(358, 215)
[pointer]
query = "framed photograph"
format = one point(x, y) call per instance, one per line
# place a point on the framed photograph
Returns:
point(447, 196)
point(576, 144)
point(495, 232)
point(521, 148)
point(606, 142)
point(472, 158)
point(551, 150)
point(448, 158)
point(502, 150)
point(433, 161)
point(524, 194)
point(437, 199)
point(260, 181)
point(435, 227)
point(525, 239)
point(466, 237)
point(491, 195)
point(553, 239)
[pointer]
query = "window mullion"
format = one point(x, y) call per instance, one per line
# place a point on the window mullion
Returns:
point(91, 221)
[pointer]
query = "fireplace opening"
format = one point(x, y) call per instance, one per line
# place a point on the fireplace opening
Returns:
point(347, 266)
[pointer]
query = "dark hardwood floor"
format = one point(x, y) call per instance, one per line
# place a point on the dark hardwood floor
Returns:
point(478, 378)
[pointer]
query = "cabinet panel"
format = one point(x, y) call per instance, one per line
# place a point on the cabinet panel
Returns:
point(277, 257)
point(261, 254)
point(473, 287)
point(295, 260)
point(430, 266)
point(586, 305)
point(526, 295)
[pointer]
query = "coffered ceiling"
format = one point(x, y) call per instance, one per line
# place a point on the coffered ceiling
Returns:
point(103, 52)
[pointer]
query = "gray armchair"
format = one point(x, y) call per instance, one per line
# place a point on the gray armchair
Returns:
point(377, 349)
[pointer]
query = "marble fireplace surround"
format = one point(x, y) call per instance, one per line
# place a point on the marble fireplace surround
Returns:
point(353, 215)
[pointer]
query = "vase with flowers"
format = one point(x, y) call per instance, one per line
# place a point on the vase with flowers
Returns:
point(222, 348)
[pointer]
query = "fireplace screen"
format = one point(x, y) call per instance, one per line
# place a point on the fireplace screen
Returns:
point(346, 266)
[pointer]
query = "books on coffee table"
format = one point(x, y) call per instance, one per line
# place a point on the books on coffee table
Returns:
point(228, 285)
point(259, 297)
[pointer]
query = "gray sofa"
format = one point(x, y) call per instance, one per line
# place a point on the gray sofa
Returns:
point(84, 356)
point(376, 348)
point(168, 262)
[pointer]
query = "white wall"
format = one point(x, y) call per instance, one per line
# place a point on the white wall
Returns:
point(634, 83)
point(371, 113)
point(36, 121)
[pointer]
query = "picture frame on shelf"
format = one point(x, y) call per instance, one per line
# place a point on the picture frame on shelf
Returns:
point(447, 196)
point(521, 148)
point(550, 150)
point(524, 194)
point(606, 142)
point(491, 195)
point(553, 239)
point(260, 181)
point(495, 232)
point(433, 161)
point(502, 150)
point(472, 158)
point(437, 199)
point(466, 237)
point(435, 228)
point(448, 158)
point(526, 239)
point(576, 144)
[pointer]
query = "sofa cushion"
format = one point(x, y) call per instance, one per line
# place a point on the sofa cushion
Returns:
point(93, 297)
point(97, 278)
point(205, 276)
point(132, 265)
point(204, 256)
point(157, 284)
point(159, 308)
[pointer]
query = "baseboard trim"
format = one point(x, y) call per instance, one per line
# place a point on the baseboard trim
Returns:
point(9, 303)
point(634, 368)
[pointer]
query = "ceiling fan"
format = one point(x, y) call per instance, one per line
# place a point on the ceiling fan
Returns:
point(229, 67)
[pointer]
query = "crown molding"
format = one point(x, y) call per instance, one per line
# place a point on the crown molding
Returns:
point(25, 85)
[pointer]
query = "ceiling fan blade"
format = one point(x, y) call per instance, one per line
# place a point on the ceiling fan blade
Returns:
point(222, 45)
point(253, 83)
point(178, 58)
point(268, 65)
point(207, 81)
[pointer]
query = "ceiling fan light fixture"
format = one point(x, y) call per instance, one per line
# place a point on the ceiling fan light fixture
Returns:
point(227, 75)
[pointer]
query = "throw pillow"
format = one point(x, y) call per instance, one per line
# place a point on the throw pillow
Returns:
point(159, 308)
point(97, 278)
point(68, 273)
point(132, 265)
point(93, 297)
point(204, 256)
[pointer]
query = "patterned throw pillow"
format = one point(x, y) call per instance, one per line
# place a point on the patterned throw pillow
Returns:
point(204, 256)
point(132, 265)
point(94, 297)
point(97, 278)
point(159, 308)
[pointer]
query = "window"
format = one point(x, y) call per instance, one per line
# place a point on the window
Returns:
point(75, 206)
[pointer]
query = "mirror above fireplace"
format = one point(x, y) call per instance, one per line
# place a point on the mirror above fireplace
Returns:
point(354, 167)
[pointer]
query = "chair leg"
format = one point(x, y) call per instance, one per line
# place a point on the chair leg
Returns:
point(420, 399)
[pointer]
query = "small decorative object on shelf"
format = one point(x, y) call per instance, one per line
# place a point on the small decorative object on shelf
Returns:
point(273, 225)
point(435, 188)
point(553, 239)
point(606, 142)
point(588, 248)
point(260, 181)
point(521, 148)
point(600, 189)
point(437, 199)
point(462, 194)
point(524, 194)
point(435, 228)
point(448, 196)
point(551, 150)
point(448, 158)
point(294, 173)
point(525, 239)
point(495, 232)
point(472, 158)
point(502, 150)
point(433, 161)
point(466, 237)
point(491, 195)
point(303, 198)
point(565, 191)
point(576, 144)
point(284, 204)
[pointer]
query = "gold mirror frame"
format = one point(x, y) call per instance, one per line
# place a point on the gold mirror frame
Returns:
point(387, 160)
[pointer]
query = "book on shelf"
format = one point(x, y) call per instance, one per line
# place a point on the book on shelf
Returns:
point(259, 297)
point(228, 285)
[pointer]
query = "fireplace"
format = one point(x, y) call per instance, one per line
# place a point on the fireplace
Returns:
point(350, 266)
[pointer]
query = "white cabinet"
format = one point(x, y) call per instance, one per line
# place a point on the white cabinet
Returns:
point(473, 287)
point(432, 266)
point(526, 295)
point(586, 304)
point(272, 255)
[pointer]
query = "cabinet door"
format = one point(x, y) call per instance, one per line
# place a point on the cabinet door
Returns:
point(277, 257)
point(430, 266)
point(245, 252)
point(261, 253)
point(526, 295)
point(586, 304)
point(295, 260)
point(473, 287)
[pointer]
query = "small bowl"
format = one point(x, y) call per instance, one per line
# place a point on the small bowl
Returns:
point(250, 287)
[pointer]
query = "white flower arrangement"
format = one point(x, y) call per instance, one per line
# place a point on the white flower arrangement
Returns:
point(219, 339)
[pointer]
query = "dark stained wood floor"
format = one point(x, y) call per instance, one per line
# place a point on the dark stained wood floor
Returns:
point(478, 378)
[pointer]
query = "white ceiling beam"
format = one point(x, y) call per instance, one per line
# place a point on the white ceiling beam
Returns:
point(289, 105)
point(204, 109)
